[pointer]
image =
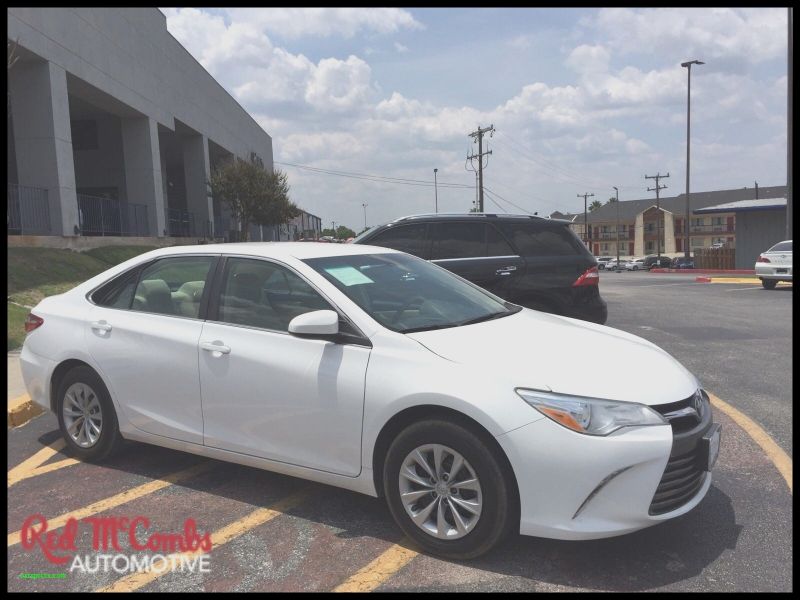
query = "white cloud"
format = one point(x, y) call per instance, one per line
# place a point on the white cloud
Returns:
point(400, 48)
point(294, 23)
point(339, 85)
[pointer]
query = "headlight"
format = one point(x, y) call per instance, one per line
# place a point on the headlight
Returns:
point(592, 416)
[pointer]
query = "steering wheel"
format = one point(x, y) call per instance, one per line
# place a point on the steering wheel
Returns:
point(406, 305)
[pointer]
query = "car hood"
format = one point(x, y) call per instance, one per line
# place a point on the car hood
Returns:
point(547, 352)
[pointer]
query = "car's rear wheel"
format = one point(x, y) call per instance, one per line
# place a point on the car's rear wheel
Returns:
point(769, 284)
point(447, 490)
point(635, 268)
point(86, 415)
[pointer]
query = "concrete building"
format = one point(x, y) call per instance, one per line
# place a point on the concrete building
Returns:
point(760, 224)
point(642, 224)
point(114, 128)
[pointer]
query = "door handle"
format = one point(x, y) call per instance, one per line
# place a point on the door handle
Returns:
point(101, 326)
point(211, 347)
point(506, 270)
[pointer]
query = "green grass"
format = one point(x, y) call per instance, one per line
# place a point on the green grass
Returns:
point(35, 273)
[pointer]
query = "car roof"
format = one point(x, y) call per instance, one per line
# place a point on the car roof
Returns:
point(477, 216)
point(298, 250)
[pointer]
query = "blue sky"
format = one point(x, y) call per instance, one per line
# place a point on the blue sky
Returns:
point(582, 100)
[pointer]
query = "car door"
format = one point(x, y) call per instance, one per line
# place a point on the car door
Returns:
point(268, 393)
point(142, 332)
point(477, 252)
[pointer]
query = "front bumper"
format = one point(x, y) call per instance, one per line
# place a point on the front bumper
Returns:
point(576, 487)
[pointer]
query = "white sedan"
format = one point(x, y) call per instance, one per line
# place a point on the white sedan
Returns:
point(775, 265)
point(378, 372)
point(635, 265)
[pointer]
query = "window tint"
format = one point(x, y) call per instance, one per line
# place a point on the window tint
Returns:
point(496, 245)
point(173, 286)
point(406, 238)
point(262, 294)
point(534, 239)
point(781, 247)
point(458, 240)
point(117, 293)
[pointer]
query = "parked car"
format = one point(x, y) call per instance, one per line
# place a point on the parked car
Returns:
point(654, 261)
point(775, 265)
point(535, 262)
point(683, 263)
point(613, 264)
point(372, 370)
point(716, 245)
point(636, 264)
point(602, 262)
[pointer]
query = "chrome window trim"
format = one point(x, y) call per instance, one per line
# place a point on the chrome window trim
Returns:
point(438, 260)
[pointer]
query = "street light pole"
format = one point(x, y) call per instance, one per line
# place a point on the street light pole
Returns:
point(436, 190)
point(688, 66)
point(365, 215)
point(617, 192)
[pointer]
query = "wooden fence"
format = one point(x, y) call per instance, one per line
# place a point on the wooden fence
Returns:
point(715, 258)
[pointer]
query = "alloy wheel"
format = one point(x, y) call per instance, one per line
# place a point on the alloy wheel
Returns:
point(83, 415)
point(440, 491)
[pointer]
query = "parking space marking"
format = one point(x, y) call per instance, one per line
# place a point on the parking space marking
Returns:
point(379, 570)
point(774, 452)
point(222, 536)
point(119, 499)
point(31, 467)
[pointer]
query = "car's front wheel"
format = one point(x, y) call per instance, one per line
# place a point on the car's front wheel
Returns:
point(769, 284)
point(448, 490)
point(86, 415)
point(635, 268)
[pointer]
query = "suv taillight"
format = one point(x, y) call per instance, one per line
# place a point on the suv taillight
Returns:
point(589, 277)
point(763, 258)
point(33, 322)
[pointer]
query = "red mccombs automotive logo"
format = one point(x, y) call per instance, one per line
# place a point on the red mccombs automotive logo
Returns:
point(185, 550)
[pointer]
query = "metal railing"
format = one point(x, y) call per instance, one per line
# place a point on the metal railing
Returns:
point(28, 210)
point(612, 235)
point(180, 223)
point(99, 216)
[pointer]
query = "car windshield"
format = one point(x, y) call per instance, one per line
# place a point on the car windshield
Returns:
point(407, 294)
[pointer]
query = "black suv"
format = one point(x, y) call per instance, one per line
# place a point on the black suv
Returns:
point(535, 262)
point(652, 262)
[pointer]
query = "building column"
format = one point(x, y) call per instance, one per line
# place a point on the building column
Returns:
point(197, 171)
point(43, 138)
point(143, 177)
point(638, 235)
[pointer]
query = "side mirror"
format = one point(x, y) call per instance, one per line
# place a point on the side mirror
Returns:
point(318, 323)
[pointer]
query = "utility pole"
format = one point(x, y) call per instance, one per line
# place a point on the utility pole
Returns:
point(436, 191)
point(756, 190)
point(479, 136)
point(586, 231)
point(617, 203)
point(333, 226)
point(688, 66)
point(789, 136)
point(657, 189)
point(365, 215)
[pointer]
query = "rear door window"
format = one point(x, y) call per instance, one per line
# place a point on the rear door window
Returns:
point(496, 244)
point(406, 238)
point(173, 286)
point(458, 240)
point(534, 239)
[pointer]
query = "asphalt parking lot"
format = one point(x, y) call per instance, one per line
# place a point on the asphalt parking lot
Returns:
point(311, 537)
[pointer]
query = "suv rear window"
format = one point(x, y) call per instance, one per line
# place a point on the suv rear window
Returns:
point(534, 239)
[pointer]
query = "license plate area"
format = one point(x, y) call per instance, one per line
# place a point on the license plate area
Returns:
point(781, 271)
point(710, 443)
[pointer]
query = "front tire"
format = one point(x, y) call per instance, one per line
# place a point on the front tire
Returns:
point(769, 284)
point(447, 490)
point(86, 415)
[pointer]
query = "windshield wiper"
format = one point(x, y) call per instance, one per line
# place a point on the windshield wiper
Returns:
point(489, 317)
point(429, 328)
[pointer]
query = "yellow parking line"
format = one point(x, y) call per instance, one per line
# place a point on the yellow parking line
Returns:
point(31, 467)
point(118, 499)
point(775, 453)
point(379, 570)
point(222, 536)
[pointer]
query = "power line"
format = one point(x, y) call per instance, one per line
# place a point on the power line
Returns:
point(495, 194)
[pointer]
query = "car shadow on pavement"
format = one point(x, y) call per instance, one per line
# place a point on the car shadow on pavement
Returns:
point(667, 553)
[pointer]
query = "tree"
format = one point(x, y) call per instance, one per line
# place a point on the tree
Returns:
point(341, 233)
point(253, 194)
point(595, 205)
point(612, 200)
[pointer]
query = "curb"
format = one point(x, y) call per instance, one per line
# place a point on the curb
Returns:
point(702, 279)
point(21, 410)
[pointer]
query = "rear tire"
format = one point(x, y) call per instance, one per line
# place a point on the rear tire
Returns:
point(455, 536)
point(86, 415)
point(769, 284)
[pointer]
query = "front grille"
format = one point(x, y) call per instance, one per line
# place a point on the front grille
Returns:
point(680, 424)
point(682, 479)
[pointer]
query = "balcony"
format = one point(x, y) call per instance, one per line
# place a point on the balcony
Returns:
point(611, 235)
